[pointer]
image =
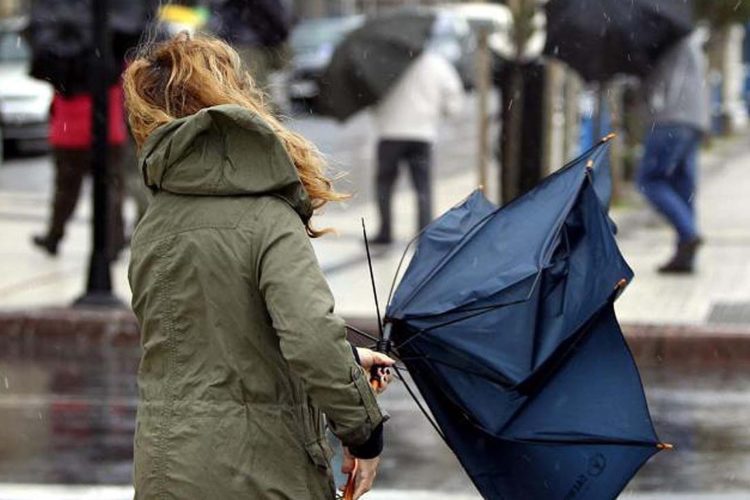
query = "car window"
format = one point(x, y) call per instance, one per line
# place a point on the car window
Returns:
point(310, 36)
point(13, 48)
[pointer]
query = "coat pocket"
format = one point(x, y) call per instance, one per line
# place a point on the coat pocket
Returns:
point(320, 453)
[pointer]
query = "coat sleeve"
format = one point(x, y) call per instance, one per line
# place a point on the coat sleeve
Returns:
point(312, 338)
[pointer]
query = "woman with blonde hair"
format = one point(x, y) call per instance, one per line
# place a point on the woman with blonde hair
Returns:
point(242, 353)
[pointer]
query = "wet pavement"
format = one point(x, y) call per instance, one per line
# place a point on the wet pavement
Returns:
point(67, 411)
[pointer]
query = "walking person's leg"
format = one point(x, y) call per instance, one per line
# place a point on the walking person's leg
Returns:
point(389, 154)
point(70, 167)
point(666, 147)
point(420, 166)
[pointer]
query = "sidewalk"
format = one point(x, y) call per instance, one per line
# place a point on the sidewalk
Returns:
point(718, 293)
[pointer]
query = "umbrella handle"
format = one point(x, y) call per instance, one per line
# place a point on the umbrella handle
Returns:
point(375, 381)
point(350, 484)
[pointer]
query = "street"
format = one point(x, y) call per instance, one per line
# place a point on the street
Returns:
point(68, 413)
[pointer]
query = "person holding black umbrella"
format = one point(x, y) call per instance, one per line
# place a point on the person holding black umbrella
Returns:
point(60, 36)
point(677, 102)
point(407, 121)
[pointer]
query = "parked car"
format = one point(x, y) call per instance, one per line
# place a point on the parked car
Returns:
point(24, 101)
point(313, 42)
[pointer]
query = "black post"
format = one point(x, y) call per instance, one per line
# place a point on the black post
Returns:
point(99, 287)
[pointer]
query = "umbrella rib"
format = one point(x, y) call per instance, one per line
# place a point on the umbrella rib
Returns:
point(478, 312)
point(452, 253)
point(398, 267)
point(361, 332)
point(421, 406)
point(408, 245)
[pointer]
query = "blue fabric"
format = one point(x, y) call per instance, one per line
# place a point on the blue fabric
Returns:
point(505, 321)
point(667, 175)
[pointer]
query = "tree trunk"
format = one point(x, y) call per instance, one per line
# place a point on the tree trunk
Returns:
point(511, 134)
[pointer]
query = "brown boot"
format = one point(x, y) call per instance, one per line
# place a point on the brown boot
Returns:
point(683, 261)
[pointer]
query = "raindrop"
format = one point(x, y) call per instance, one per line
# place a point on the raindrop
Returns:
point(97, 53)
point(18, 42)
point(510, 104)
point(40, 415)
point(6, 382)
point(737, 5)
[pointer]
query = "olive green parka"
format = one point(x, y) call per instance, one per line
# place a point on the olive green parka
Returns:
point(242, 351)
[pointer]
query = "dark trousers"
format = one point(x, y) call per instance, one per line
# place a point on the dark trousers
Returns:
point(71, 165)
point(418, 156)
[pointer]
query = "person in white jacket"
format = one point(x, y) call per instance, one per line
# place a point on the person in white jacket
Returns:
point(407, 121)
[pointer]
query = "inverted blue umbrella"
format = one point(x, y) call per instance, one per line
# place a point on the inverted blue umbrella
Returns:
point(505, 321)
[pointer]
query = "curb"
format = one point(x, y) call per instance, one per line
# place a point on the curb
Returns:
point(81, 330)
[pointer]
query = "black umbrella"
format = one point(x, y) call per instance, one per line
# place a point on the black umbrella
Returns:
point(370, 60)
point(60, 34)
point(602, 38)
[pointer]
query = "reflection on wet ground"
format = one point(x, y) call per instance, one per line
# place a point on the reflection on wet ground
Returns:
point(67, 416)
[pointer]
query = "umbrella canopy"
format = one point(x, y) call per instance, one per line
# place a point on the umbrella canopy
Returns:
point(368, 62)
point(602, 38)
point(505, 321)
point(60, 34)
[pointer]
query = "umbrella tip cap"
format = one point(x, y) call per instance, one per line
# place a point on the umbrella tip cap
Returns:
point(665, 446)
point(609, 137)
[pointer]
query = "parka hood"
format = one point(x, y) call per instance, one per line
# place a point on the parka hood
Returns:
point(224, 150)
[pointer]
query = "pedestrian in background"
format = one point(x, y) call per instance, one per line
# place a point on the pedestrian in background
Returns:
point(407, 121)
point(242, 353)
point(70, 137)
point(258, 30)
point(60, 37)
point(677, 102)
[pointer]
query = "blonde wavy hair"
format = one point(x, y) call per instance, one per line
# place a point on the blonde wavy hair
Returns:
point(180, 76)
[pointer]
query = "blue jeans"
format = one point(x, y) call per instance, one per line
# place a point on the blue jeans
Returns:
point(668, 173)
